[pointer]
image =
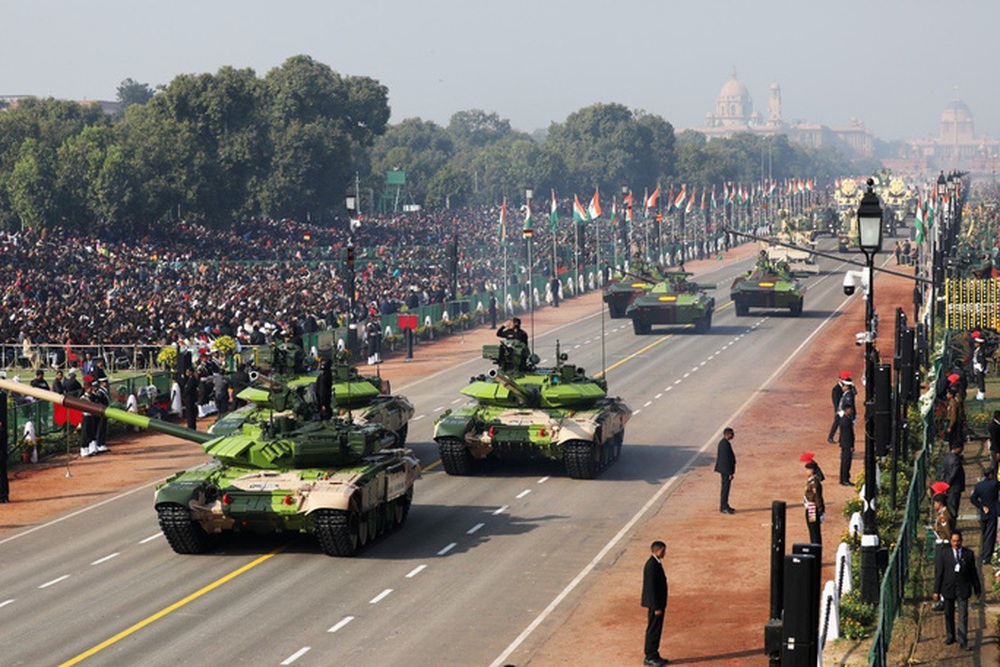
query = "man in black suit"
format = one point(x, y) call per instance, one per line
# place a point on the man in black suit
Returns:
point(654, 599)
point(986, 496)
point(846, 445)
point(725, 465)
point(956, 578)
point(953, 472)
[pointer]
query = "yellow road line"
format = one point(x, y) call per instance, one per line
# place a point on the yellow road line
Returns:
point(174, 607)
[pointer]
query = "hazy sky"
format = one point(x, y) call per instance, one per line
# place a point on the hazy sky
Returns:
point(892, 63)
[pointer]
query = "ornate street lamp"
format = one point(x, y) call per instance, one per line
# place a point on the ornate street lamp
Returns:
point(870, 242)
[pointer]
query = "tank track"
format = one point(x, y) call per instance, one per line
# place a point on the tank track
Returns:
point(334, 532)
point(579, 458)
point(455, 457)
point(184, 535)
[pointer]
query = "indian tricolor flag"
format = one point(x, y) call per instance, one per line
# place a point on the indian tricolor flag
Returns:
point(918, 223)
point(554, 213)
point(614, 211)
point(690, 202)
point(594, 210)
point(653, 199)
point(628, 202)
point(579, 212)
point(502, 231)
point(681, 196)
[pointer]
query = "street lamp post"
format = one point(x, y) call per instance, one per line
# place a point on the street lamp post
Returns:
point(624, 222)
point(528, 236)
point(870, 241)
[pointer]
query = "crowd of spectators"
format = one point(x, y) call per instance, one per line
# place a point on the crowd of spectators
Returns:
point(249, 281)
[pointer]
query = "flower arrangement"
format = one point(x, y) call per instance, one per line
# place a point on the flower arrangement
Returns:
point(226, 345)
point(167, 357)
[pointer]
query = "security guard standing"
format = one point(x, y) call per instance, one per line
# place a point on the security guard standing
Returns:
point(944, 524)
point(813, 500)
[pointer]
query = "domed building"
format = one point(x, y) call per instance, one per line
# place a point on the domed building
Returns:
point(733, 106)
point(955, 147)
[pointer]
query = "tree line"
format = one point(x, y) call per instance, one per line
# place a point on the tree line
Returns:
point(224, 147)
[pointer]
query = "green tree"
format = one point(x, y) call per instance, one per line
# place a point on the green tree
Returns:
point(419, 147)
point(475, 128)
point(132, 92)
point(31, 185)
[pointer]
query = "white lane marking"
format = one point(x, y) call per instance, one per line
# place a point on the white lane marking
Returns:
point(500, 510)
point(7, 602)
point(150, 538)
point(543, 480)
point(502, 659)
point(677, 382)
point(668, 388)
point(660, 395)
point(447, 548)
point(415, 571)
point(637, 412)
point(457, 400)
point(702, 364)
point(381, 596)
point(686, 375)
point(54, 581)
point(474, 528)
point(523, 494)
point(576, 347)
point(419, 417)
point(647, 404)
point(341, 623)
point(295, 656)
point(105, 559)
point(438, 408)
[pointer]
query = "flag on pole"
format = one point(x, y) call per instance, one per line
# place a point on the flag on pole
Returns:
point(702, 206)
point(528, 231)
point(614, 211)
point(713, 197)
point(690, 202)
point(554, 213)
point(579, 212)
point(918, 223)
point(653, 199)
point(503, 222)
point(627, 202)
point(594, 210)
point(681, 196)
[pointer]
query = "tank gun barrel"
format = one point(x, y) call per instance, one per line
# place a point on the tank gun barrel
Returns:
point(523, 397)
point(98, 410)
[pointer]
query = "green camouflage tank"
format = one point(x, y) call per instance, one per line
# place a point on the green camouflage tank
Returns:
point(674, 300)
point(768, 285)
point(525, 411)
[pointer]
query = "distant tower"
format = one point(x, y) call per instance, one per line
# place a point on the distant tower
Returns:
point(733, 106)
point(774, 106)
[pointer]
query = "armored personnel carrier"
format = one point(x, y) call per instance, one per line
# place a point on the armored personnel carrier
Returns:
point(768, 285)
point(674, 300)
point(524, 411)
point(344, 483)
point(361, 399)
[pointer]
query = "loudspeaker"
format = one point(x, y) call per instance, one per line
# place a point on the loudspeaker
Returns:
point(883, 408)
point(800, 629)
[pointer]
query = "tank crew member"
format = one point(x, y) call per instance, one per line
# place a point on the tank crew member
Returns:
point(511, 330)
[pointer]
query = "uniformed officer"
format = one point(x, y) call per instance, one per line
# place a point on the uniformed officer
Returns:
point(979, 365)
point(944, 524)
point(815, 507)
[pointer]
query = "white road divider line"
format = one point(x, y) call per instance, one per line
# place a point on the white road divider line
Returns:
point(702, 364)
point(7, 602)
point(447, 548)
point(543, 480)
point(419, 417)
point(105, 559)
point(668, 388)
point(54, 581)
point(500, 510)
point(637, 412)
point(150, 538)
point(647, 404)
point(502, 658)
point(474, 528)
point(677, 381)
point(660, 395)
point(438, 408)
point(295, 656)
point(341, 623)
point(523, 494)
point(415, 571)
point(457, 400)
point(686, 375)
point(381, 596)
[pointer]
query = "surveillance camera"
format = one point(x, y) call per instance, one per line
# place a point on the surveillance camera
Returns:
point(860, 338)
point(849, 283)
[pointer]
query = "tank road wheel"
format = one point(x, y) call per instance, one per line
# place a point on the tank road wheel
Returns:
point(455, 456)
point(641, 328)
point(337, 531)
point(703, 324)
point(401, 508)
point(796, 308)
point(401, 434)
point(742, 310)
point(182, 533)
point(579, 458)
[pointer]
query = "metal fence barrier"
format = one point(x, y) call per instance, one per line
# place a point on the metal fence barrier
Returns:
point(971, 303)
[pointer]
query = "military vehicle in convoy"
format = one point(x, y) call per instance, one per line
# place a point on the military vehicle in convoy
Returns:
point(361, 399)
point(639, 279)
point(768, 285)
point(673, 300)
point(525, 411)
point(344, 483)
